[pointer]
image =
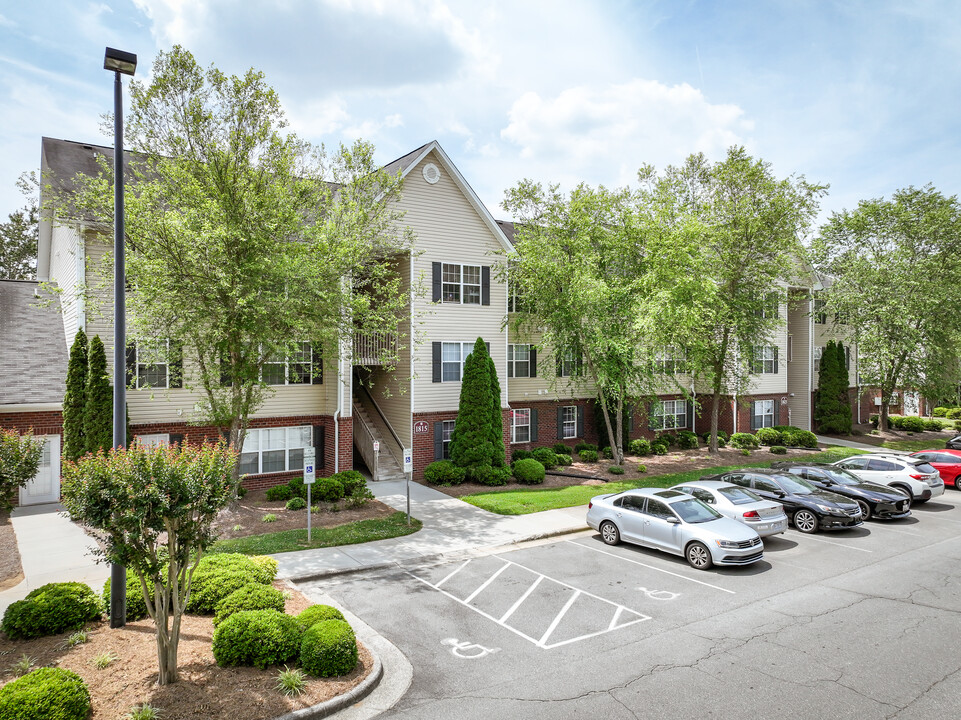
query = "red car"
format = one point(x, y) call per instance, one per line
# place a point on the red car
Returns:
point(945, 461)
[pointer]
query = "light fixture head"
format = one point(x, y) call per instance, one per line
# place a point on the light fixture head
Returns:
point(120, 61)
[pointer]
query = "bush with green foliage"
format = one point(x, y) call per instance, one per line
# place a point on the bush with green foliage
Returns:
point(470, 445)
point(912, 423)
point(297, 488)
point(19, 461)
point(47, 693)
point(328, 649)
point(252, 596)
point(768, 436)
point(778, 450)
point(75, 399)
point(296, 503)
point(443, 472)
point(529, 472)
point(607, 452)
point(615, 470)
point(953, 414)
point(642, 468)
point(98, 413)
point(136, 607)
point(546, 457)
point(640, 447)
point(722, 438)
point(328, 489)
point(318, 613)
point(743, 441)
point(279, 493)
point(588, 456)
point(496, 426)
point(561, 449)
point(687, 440)
point(256, 637)
point(564, 459)
point(218, 575)
point(353, 482)
point(521, 455)
point(579, 447)
point(659, 447)
point(745, 451)
point(939, 412)
point(805, 438)
point(832, 405)
point(933, 424)
point(499, 476)
point(50, 610)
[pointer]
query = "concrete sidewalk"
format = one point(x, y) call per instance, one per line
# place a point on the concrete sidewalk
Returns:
point(824, 440)
point(450, 526)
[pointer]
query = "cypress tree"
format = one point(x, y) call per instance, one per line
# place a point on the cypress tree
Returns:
point(98, 416)
point(498, 454)
point(832, 411)
point(470, 447)
point(75, 398)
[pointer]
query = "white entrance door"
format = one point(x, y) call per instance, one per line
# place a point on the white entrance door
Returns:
point(912, 403)
point(45, 487)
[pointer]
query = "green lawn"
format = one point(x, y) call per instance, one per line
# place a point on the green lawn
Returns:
point(913, 445)
point(522, 502)
point(349, 534)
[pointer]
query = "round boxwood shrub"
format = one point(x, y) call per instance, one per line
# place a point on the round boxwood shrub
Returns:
point(521, 455)
point(778, 450)
point(640, 447)
point(564, 459)
point(51, 609)
point(252, 596)
point(353, 482)
point(264, 568)
point(584, 446)
point(328, 489)
point(912, 423)
point(933, 424)
point(256, 637)
point(217, 576)
point(546, 457)
point(686, 440)
point(529, 472)
point(136, 606)
point(561, 449)
point(659, 447)
point(805, 438)
point(296, 503)
point(588, 455)
point(328, 649)
point(498, 476)
point(743, 441)
point(443, 472)
point(45, 694)
point(768, 436)
point(279, 492)
point(318, 613)
point(615, 470)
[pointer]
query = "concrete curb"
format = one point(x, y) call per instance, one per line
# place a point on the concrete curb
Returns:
point(329, 707)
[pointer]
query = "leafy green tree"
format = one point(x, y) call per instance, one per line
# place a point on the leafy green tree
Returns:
point(154, 509)
point(18, 237)
point(246, 241)
point(470, 446)
point(832, 407)
point(19, 463)
point(75, 399)
point(98, 414)
point(498, 452)
point(895, 265)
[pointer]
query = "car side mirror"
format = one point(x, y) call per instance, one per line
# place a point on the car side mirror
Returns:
point(673, 521)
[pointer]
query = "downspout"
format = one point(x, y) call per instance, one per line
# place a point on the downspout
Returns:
point(734, 408)
point(337, 435)
point(810, 390)
point(81, 270)
point(693, 408)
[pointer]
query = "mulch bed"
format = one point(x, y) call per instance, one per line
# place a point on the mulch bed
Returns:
point(11, 573)
point(204, 690)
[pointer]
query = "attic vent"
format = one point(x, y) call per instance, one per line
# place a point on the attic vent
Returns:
point(88, 147)
point(431, 173)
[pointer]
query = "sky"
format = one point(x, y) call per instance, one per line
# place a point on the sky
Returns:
point(862, 95)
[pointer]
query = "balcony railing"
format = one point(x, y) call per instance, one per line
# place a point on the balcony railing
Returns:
point(369, 349)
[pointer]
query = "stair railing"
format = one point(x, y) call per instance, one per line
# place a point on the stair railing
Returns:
point(366, 444)
point(395, 448)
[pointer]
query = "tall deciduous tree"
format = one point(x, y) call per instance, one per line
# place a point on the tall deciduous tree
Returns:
point(832, 407)
point(470, 445)
point(18, 236)
point(246, 241)
point(895, 266)
point(154, 508)
point(75, 399)
point(98, 414)
point(19, 463)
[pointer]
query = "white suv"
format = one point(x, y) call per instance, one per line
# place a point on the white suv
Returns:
point(910, 475)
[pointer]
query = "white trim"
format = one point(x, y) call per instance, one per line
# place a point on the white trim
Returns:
point(81, 259)
point(31, 407)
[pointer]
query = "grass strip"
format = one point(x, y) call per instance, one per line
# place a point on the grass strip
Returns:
point(352, 533)
point(912, 445)
point(524, 502)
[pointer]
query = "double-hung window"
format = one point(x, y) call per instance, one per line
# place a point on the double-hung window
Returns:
point(669, 360)
point(294, 369)
point(519, 361)
point(763, 415)
point(461, 284)
point(453, 355)
point(446, 432)
point(765, 360)
point(668, 414)
point(820, 316)
point(151, 368)
point(268, 450)
point(568, 362)
point(520, 426)
point(568, 422)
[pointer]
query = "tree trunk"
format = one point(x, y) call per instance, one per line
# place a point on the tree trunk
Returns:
point(607, 423)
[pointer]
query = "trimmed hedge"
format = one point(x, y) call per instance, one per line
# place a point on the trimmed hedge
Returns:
point(136, 605)
point(217, 576)
point(444, 472)
point(686, 440)
point(529, 472)
point(328, 649)
point(498, 476)
point(253, 596)
point(45, 694)
point(588, 455)
point(353, 482)
point(50, 610)
point(521, 455)
point(546, 457)
point(615, 470)
point(768, 436)
point(561, 449)
point(640, 447)
point(318, 613)
point(659, 447)
point(328, 489)
point(584, 446)
point(279, 492)
point(744, 441)
point(257, 637)
point(778, 450)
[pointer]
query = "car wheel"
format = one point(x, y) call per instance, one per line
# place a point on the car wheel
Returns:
point(865, 510)
point(806, 521)
point(609, 533)
point(698, 556)
point(906, 490)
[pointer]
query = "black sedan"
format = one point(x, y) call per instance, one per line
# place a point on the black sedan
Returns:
point(878, 501)
point(954, 443)
point(810, 508)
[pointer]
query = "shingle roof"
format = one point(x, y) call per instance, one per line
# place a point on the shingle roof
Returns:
point(402, 163)
point(507, 227)
point(33, 355)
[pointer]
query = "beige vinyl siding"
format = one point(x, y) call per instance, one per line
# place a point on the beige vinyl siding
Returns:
point(65, 247)
point(768, 383)
point(449, 230)
point(392, 390)
point(539, 388)
point(798, 366)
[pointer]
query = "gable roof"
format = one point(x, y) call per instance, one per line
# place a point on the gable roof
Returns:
point(32, 352)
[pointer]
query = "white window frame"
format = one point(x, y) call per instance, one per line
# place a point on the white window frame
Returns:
point(153, 440)
point(569, 362)
point(260, 441)
point(820, 316)
point(465, 348)
point(513, 362)
point(520, 414)
point(140, 381)
point(568, 422)
point(765, 357)
point(305, 374)
point(818, 353)
point(447, 429)
point(764, 414)
point(665, 409)
point(455, 288)
point(670, 359)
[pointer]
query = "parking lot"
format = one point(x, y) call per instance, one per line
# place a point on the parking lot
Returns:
point(861, 623)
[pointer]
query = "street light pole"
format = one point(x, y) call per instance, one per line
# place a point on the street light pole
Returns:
point(121, 63)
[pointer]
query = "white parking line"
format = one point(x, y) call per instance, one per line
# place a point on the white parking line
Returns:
point(683, 577)
point(456, 570)
point(894, 530)
point(487, 582)
point(521, 599)
point(849, 547)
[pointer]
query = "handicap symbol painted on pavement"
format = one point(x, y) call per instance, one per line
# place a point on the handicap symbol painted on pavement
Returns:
point(659, 594)
point(468, 650)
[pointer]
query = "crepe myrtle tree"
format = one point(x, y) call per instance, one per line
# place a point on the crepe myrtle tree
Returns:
point(154, 508)
point(19, 462)
point(245, 242)
point(894, 266)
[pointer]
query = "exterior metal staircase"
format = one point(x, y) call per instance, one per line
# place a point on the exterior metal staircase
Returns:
point(374, 440)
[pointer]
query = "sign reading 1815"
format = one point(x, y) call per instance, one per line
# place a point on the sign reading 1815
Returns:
point(421, 427)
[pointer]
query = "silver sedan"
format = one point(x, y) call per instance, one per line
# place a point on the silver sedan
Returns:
point(676, 523)
point(765, 517)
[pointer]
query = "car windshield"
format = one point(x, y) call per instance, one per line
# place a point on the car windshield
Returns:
point(841, 477)
point(693, 510)
point(738, 495)
point(795, 485)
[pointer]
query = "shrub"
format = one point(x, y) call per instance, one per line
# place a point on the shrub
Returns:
point(686, 440)
point(359, 498)
point(806, 439)
point(589, 456)
point(329, 648)
point(722, 437)
point(584, 446)
point(291, 682)
point(778, 450)
point(241, 491)
point(642, 468)
point(268, 518)
point(318, 613)
point(328, 489)
point(279, 492)
point(659, 447)
point(136, 606)
point(217, 576)
point(546, 457)
point(953, 414)
point(51, 609)
point(912, 423)
point(529, 472)
point(353, 482)
point(615, 470)
point(932, 424)
point(263, 567)
point(768, 436)
point(640, 447)
point(45, 694)
point(256, 637)
point(253, 596)
point(564, 459)
point(744, 441)
point(561, 449)
point(296, 503)
point(745, 451)
point(874, 419)
point(498, 476)
point(939, 412)
point(444, 472)
point(297, 488)
point(521, 455)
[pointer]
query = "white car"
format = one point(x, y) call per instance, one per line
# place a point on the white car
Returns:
point(765, 517)
point(910, 475)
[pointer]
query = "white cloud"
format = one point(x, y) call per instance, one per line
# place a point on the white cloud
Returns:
point(7, 22)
